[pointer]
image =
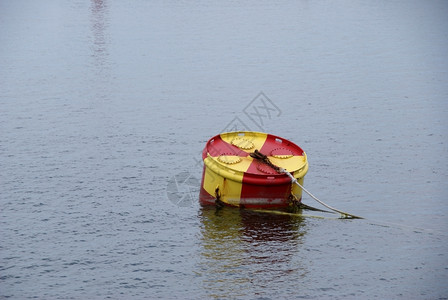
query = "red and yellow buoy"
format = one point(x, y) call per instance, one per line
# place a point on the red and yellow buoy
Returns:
point(235, 178)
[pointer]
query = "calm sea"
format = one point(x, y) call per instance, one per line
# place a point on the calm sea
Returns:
point(105, 107)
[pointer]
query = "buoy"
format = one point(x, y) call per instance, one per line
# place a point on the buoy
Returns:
point(232, 177)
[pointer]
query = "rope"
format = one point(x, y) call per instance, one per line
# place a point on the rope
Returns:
point(302, 205)
point(278, 212)
point(258, 155)
point(263, 158)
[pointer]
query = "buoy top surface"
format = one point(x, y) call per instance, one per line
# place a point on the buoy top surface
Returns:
point(230, 151)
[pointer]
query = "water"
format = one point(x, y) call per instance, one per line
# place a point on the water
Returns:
point(105, 104)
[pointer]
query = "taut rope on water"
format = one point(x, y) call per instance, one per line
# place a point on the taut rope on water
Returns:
point(259, 156)
point(264, 159)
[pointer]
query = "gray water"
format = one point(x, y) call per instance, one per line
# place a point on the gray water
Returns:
point(105, 107)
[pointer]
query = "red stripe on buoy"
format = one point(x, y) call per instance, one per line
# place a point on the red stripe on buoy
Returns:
point(269, 184)
point(266, 195)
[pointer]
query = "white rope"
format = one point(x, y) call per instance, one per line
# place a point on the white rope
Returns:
point(294, 180)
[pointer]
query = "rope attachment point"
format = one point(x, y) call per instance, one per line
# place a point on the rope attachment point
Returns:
point(264, 159)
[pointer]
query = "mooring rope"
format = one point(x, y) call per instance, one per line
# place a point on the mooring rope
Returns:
point(259, 156)
point(278, 212)
point(264, 159)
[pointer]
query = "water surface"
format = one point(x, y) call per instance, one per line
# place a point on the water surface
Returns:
point(105, 104)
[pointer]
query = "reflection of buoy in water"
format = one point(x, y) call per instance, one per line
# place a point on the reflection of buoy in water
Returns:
point(237, 179)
